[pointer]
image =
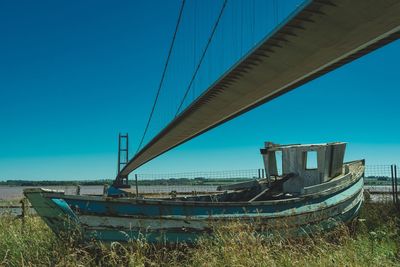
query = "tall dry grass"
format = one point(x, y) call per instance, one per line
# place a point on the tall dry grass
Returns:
point(373, 240)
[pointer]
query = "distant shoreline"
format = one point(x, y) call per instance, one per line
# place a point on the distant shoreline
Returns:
point(170, 181)
point(371, 180)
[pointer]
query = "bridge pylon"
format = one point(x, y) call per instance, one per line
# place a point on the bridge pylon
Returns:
point(123, 158)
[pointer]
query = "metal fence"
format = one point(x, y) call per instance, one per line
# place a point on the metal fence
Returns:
point(231, 174)
point(193, 182)
point(375, 171)
point(374, 174)
point(380, 181)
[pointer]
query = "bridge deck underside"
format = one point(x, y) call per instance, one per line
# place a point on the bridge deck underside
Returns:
point(322, 36)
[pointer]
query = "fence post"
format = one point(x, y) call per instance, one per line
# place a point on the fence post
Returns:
point(395, 182)
point(105, 190)
point(23, 213)
point(137, 188)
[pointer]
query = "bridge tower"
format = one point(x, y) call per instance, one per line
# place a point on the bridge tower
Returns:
point(123, 158)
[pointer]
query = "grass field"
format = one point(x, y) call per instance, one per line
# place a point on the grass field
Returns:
point(373, 240)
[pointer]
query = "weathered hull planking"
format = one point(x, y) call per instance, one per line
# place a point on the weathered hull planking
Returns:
point(158, 220)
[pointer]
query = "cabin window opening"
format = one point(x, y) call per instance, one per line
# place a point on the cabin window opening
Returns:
point(311, 159)
point(279, 162)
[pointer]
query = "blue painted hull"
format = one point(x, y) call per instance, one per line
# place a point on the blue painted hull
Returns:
point(123, 219)
point(109, 235)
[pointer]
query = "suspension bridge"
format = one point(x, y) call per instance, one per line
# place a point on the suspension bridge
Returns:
point(314, 39)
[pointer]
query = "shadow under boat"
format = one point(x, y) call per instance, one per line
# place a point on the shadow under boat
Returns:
point(299, 200)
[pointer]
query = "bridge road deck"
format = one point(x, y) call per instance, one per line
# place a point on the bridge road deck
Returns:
point(319, 37)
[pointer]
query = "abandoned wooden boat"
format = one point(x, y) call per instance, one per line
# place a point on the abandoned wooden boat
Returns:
point(297, 200)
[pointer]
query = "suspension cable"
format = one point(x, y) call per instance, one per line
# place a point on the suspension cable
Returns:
point(202, 56)
point(163, 75)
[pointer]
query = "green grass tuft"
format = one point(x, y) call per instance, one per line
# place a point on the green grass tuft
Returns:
point(372, 240)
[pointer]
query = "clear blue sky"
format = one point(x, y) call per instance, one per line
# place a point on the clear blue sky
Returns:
point(74, 74)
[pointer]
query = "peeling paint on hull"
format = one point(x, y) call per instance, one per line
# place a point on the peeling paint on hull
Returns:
point(170, 221)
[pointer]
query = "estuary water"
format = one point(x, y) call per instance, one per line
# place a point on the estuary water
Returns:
point(13, 193)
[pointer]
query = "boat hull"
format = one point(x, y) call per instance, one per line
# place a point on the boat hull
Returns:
point(123, 219)
point(319, 216)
